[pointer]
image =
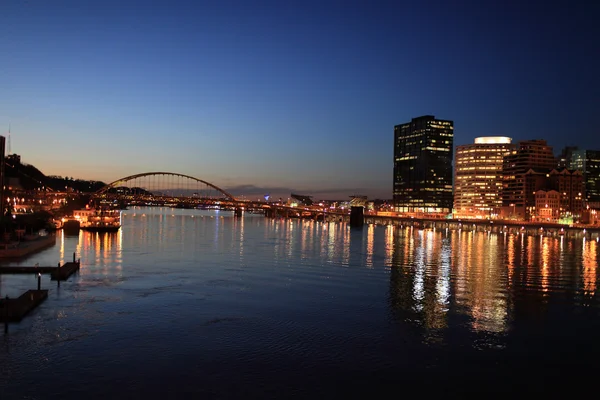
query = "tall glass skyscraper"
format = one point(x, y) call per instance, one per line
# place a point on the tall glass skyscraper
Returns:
point(423, 165)
point(588, 161)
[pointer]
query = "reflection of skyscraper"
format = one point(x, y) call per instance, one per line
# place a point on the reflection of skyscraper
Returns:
point(478, 176)
point(2, 143)
point(434, 278)
point(419, 278)
point(423, 165)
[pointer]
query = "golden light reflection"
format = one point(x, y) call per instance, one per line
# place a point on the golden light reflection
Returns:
point(462, 245)
point(494, 279)
point(62, 245)
point(590, 266)
point(324, 245)
point(102, 249)
point(545, 263)
point(511, 258)
point(481, 283)
point(389, 245)
point(345, 233)
point(331, 242)
point(443, 283)
point(419, 279)
point(369, 250)
point(239, 225)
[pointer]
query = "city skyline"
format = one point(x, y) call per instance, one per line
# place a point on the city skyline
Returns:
point(268, 97)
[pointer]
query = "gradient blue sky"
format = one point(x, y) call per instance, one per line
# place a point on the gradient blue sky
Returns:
point(286, 95)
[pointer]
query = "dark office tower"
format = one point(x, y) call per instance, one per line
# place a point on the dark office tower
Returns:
point(423, 165)
point(2, 142)
point(566, 156)
point(530, 155)
point(588, 162)
point(576, 160)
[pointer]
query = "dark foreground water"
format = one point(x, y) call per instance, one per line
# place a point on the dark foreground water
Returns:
point(184, 304)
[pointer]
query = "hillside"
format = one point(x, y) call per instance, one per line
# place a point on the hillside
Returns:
point(31, 178)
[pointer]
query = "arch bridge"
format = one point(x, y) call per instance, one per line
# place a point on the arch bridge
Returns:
point(183, 191)
point(163, 189)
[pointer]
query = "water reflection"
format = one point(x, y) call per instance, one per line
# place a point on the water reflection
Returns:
point(590, 267)
point(489, 279)
point(102, 249)
point(370, 244)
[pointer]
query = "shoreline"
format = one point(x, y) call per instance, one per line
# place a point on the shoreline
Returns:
point(21, 249)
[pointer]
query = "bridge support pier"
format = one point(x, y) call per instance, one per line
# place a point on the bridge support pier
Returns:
point(357, 218)
point(238, 212)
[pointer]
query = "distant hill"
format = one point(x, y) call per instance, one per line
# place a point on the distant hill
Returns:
point(31, 178)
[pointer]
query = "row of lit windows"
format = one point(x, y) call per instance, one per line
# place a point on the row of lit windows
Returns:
point(436, 148)
point(478, 167)
point(461, 150)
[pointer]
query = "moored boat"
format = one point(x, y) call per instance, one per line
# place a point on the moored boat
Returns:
point(98, 220)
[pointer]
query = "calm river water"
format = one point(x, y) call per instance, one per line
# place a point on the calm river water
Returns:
point(198, 304)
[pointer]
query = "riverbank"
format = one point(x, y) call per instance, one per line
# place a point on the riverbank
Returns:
point(24, 248)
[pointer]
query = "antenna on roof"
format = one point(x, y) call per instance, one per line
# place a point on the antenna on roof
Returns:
point(8, 138)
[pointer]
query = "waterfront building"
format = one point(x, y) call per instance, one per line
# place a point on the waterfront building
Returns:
point(478, 177)
point(423, 157)
point(571, 187)
point(547, 204)
point(535, 179)
point(566, 205)
point(529, 154)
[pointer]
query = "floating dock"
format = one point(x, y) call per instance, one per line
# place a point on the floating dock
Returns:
point(13, 310)
point(59, 273)
point(64, 272)
point(27, 270)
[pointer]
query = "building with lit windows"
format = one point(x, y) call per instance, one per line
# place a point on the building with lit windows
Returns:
point(566, 156)
point(547, 205)
point(571, 187)
point(423, 165)
point(558, 195)
point(529, 154)
point(588, 162)
point(478, 177)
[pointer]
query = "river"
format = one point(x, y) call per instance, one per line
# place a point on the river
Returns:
point(201, 304)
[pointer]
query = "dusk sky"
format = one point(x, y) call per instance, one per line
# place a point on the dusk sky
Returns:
point(286, 95)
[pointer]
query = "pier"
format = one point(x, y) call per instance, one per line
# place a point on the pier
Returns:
point(13, 310)
point(26, 270)
point(59, 272)
point(64, 272)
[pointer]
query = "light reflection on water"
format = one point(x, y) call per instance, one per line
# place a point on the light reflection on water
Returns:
point(273, 299)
